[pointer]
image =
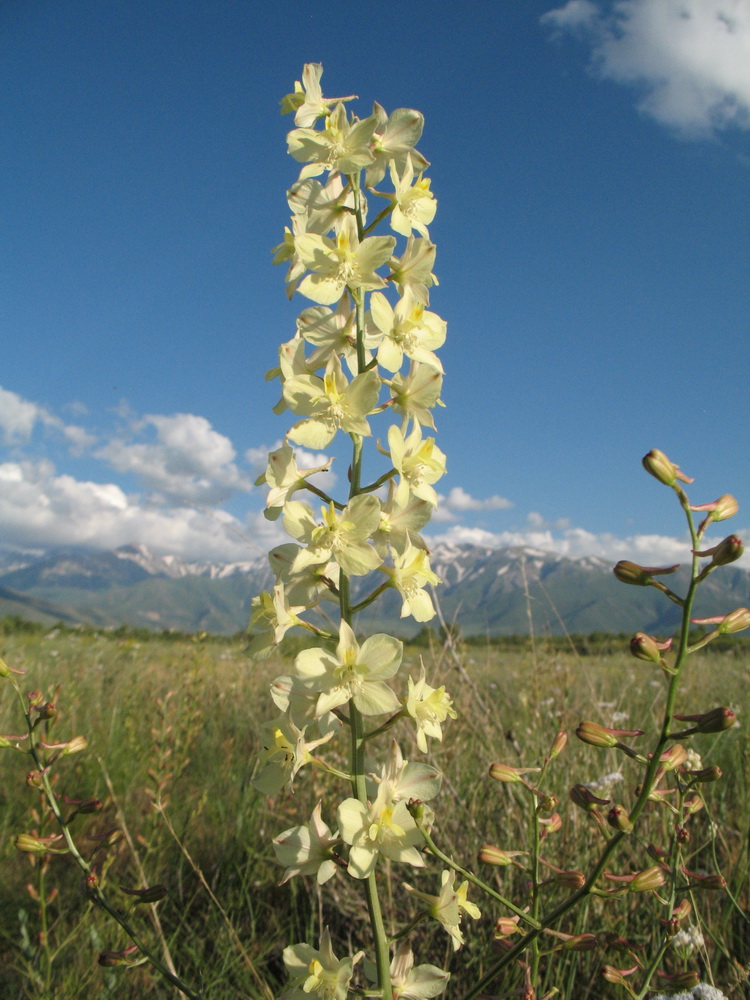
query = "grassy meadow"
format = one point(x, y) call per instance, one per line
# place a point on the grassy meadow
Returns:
point(173, 730)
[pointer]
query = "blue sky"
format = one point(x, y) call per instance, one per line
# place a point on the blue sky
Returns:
point(591, 163)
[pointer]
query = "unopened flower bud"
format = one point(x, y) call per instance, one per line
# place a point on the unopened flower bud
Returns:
point(684, 909)
point(551, 825)
point(581, 942)
point(711, 882)
point(76, 745)
point(618, 819)
point(682, 834)
point(693, 805)
point(646, 647)
point(640, 576)
point(648, 880)
point(584, 798)
point(715, 721)
point(727, 551)
point(613, 975)
point(152, 894)
point(29, 845)
point(679, 980)
point(35, 779)
point(489, 855)
point(657, 463)
point(599, 736)
point(508, 774)
point(504, 927)
point(112, 958)
point(706, 774)
point(89, 806)
point(736, 621)
point(656, 794)
point(558, 744)
point(547, 802)
point(416, 810)
point(671, 759)
point(726, 506)
point(570, 880)
point(46, 711)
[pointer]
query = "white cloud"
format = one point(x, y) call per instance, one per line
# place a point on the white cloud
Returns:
point(188, 462)
point(459, 499)
point(691, 57)
point(19, 417)
point(39, 508)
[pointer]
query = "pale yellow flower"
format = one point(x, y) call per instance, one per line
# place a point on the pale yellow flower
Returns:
point(429, 707)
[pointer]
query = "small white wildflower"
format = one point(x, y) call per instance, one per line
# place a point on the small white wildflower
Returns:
point(688, 939)
point(693, 761)
point(604, 786)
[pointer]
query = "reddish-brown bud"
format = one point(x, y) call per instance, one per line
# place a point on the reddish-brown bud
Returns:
point(706, 774)
point(711, 882)
point(570, 879)
point(112, 958)
point(584, 798)
point(657, 853)
point(581, 942)
point(152, 894)
point(715, 721)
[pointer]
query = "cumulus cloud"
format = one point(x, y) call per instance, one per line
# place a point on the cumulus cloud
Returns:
point(19, 417)
point(458, 499)
point(40, 508)
point(186, 460)
point(691, 58)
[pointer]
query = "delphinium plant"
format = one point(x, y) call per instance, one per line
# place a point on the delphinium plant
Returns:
point(363, 355)
point(364, 351)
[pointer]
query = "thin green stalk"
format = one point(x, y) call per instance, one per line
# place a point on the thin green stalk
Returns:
point(94, 893)
point(548, 920)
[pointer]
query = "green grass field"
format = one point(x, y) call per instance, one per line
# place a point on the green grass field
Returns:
point(173, 736)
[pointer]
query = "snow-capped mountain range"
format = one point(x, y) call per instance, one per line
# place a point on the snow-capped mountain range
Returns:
point(486, 591)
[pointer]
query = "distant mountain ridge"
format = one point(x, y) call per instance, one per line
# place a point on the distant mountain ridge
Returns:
point(486, 591)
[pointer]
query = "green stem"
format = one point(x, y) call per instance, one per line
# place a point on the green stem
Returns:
point(470, 877)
